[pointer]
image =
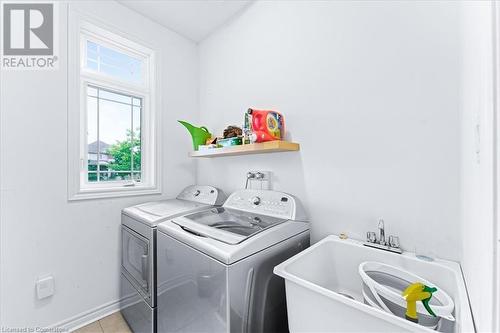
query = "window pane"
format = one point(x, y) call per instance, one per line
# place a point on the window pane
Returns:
point(115, 97)
point(115, 124)
point(91, 48)
point(92, 176)
point(92, 122)
point(92, 144)
point(114, 63)
point(92, 65)
point(114, 176)
point(113, 136)
point(136, 139)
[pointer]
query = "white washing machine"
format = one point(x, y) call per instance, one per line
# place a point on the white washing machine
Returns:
point(215, 267)
point(138, 271)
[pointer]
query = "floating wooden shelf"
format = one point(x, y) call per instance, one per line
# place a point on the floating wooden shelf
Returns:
point(254, 148)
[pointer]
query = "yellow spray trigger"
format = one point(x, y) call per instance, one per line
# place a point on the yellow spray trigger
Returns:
point(417, 292)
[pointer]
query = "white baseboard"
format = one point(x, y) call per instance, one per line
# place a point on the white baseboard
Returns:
point(88, 317)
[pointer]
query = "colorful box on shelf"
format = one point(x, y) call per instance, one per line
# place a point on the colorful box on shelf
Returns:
point(236, 141)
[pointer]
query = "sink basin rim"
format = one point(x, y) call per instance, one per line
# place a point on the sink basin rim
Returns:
point(281, 270)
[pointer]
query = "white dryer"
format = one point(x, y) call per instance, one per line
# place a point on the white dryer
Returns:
point(215, 267)
point(138, 265)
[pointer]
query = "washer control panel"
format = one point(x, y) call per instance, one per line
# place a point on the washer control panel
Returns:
point(204, 194)
point(272, 203)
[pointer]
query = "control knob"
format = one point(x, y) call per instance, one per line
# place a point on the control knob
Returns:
point(197, 193)
point(255, 201)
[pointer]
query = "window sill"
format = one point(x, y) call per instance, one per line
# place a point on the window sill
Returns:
point(116, 192)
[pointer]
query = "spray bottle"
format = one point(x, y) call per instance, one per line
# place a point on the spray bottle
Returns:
point(417, 292)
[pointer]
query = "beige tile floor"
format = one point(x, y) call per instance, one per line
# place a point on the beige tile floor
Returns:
point(111, 324)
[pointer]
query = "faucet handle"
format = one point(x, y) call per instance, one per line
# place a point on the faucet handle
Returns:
point(371, 237)
point(394, 241)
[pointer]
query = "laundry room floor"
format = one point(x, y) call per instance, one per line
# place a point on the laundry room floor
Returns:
point(111, 324)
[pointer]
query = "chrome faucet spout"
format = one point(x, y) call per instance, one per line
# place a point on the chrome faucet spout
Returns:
point(382, 231)
point(392, 245)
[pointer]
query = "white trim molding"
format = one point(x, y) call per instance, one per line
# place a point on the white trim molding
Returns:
point(496, 162)
point(88, 317)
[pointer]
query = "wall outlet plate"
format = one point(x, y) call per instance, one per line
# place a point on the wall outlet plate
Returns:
point(45, 287)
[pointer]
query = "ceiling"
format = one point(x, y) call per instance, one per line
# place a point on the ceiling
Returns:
point(193, 19)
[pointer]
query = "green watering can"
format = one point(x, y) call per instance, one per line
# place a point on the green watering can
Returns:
point(199, 134)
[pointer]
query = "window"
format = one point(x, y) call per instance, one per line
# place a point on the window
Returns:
point(113, 136)
point(114, 124)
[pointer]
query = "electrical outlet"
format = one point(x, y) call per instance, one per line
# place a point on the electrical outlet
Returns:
point(45, 287)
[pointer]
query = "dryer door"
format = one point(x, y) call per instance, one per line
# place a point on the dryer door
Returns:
point(136, 252)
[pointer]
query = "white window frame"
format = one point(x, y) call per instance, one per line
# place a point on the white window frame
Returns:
point(81, 29)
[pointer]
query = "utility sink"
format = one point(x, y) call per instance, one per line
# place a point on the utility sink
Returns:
point(324, 289)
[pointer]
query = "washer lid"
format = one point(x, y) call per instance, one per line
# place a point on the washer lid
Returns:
point(168, 207)
point(227, 225)
point(153, 212)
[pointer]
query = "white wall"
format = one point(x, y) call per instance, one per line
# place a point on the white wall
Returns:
point(369, 90)
point(477, 124)
point(43, 233)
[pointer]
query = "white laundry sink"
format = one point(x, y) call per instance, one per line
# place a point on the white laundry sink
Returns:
point(319, 278)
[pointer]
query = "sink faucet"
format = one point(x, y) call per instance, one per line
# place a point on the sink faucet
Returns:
point(381, 232)
point(392, 245)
